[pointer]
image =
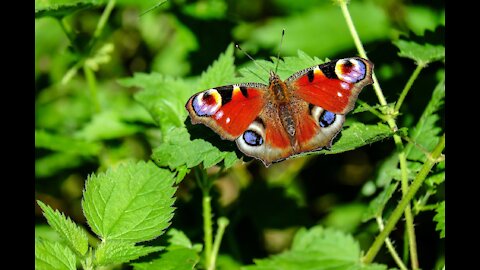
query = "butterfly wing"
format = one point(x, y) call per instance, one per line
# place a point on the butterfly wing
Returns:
point(227, 110)
point(266, 138)
point(324, 94)
point(334, 86)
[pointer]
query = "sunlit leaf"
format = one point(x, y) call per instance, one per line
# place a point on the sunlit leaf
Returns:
point(132, 202)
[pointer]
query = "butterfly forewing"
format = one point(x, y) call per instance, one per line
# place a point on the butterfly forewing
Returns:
point(228, 110)
point(333, 86)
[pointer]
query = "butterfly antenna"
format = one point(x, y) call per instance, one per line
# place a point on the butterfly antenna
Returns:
point(279, 47)
point(251, 58)
point(154, 7)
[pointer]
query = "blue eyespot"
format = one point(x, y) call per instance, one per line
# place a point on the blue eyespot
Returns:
point(326, 119)
point(252, 138)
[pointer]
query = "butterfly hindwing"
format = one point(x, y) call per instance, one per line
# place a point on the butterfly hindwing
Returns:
point(333, 86)
point(228, 110)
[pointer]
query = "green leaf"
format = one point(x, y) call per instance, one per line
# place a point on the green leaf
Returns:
point(345, 217)
point(53, 256)
point(132, 202)
point(440, 219)
point(426, 133)
point(106, 125)
point(178, 238)
point(322, 20)
point(75, 236)
point(422, 54)
point(65, 144)
point(206, 9)
point(117, 251)
point(60, 9)
point(174, 259)
point(53, 163)
point(163, 97)
point(220, 72)
point(358, 135)
point(179, 150)
point(376, 206)
point(318, 248)
point(180, 254)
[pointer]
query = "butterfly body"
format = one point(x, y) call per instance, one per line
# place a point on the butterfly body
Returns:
point(284, 118)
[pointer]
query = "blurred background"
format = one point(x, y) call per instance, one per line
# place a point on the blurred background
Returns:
point(80, 131)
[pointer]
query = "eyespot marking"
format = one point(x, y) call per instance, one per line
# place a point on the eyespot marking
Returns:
point(350, 70)
point(207, 103)
point(252, 138)
point(326, 119)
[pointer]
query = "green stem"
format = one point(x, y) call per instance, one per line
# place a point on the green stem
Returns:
point(360, 49)
point(205, 185)
point(393, 125)
point(408, 212)
point(102, 22)
point(397, 212)
point(408, 86)
point(390, 247)
point(92, 85)
point(371, 109)
point(207, 228)
point(222, 224)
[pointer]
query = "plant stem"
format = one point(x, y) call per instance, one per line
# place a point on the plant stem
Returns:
point(408, 212)
point(92, 85)
point(408, 86)
point(397, 212)
point(205, 185)
point(101, 23)
point(390, 247)
point(391, 122)
point(207, 228)
point(361, 50)
point(222, 224)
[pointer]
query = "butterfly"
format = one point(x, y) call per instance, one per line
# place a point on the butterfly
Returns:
point(280, 120)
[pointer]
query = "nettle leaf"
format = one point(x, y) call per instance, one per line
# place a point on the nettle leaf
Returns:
point(318, 248)
point(164, 97)
point(440, 219)
point(60, 9)
point(65, 144)
point(132, 202)
point(117, 251)
point(358, 135)
point(420, 53)
point(180, 254)
point(179, 150)
point(75, 236)
point(221, 72)
point(426, 133)
point(53, 255)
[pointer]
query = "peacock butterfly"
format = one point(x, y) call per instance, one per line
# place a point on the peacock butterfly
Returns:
point(284, 118)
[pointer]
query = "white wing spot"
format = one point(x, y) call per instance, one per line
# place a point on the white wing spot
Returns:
point(339, 94)
point(227, 120)
point(219, 114)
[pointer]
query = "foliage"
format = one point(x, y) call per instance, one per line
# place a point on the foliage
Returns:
point(123, 179)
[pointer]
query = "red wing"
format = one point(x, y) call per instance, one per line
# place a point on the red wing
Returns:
point(228, 110)
point(335, 85)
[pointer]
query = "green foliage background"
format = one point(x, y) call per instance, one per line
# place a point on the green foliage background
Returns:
point(122, 177)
